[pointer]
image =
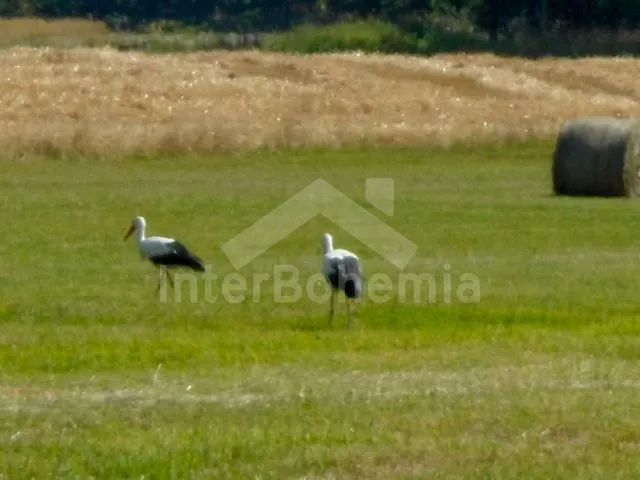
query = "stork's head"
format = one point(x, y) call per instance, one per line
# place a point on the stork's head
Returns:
point(137, 225)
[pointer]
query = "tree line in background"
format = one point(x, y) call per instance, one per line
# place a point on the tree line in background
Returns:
point(492, 16)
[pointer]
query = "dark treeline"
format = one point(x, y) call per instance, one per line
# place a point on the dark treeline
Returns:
point(493, 16)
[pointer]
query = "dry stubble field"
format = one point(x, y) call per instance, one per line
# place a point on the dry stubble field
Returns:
point(105, 102)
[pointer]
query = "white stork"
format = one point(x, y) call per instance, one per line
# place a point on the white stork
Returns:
point(343, 271)
point(163, 252)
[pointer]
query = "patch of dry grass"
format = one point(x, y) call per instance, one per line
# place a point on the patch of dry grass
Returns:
point(105, 102)
point(15, 28)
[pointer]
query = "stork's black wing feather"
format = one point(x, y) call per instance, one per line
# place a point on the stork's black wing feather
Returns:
point(180, 256)
point(346, 274)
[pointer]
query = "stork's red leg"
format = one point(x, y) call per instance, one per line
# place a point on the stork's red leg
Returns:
point(160, 272)
point(331, 305)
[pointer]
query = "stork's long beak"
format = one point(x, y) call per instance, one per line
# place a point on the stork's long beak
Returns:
point(131, 229)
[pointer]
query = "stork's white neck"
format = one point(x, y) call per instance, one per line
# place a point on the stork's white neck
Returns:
point(327, 243)
point(140, 227)
point(140, 233)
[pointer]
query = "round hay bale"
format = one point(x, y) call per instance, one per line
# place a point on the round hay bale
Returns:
point(598, 156)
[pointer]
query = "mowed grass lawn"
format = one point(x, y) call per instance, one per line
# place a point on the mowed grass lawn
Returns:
point(537, 379)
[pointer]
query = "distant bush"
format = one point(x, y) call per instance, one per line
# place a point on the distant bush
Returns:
point(365, 35)
point(417, 37)
point(434, 34)
point(448, 32)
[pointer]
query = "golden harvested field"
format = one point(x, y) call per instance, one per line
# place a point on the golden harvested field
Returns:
point(15, 28)
point(105, 102)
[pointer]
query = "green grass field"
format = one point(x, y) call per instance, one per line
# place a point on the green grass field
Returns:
point(100, 379)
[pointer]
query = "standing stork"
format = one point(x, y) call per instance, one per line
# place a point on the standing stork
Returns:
point(163, 252)
point(343, 271)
